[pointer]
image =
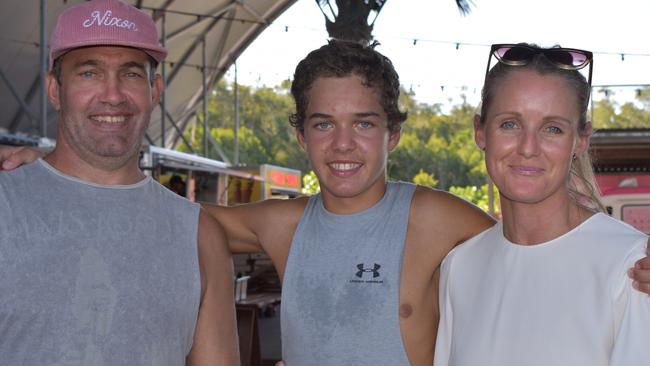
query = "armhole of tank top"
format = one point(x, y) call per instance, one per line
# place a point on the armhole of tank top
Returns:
point(196, 213)
point(288, 267)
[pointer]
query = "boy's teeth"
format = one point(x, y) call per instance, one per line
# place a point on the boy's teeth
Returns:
point(345, 166)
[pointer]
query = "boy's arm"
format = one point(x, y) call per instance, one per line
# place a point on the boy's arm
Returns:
point(641, 272)
point(632, 313)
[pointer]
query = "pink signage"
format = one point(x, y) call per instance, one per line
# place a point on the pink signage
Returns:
point(637, 216)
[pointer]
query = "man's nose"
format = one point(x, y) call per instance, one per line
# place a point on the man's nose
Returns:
point(113, 91)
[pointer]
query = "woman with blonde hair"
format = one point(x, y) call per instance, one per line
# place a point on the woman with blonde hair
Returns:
point(547, 285)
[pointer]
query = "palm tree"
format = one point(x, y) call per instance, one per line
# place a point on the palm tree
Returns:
point(350, 22)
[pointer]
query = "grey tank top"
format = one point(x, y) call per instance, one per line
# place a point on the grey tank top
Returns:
point(95, 275)
point(340, 294)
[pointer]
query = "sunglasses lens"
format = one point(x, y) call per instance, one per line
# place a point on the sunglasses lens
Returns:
point(514, 54)
point(573, 59)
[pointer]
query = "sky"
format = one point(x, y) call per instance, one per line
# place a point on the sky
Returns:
point(441, 55)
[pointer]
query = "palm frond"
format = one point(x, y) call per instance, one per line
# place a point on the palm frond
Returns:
point(464, 6)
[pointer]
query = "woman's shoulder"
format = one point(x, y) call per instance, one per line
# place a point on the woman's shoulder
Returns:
point(611, 231)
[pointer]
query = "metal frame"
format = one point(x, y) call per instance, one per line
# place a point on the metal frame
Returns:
point(170, 133)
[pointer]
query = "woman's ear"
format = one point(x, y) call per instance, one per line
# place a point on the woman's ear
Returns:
point(582, 144)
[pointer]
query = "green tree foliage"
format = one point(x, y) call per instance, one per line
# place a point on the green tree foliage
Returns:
point(432, 144)
point(310, 184)
point(609, 114)
point(425, 179)
point(265, 135)
point(437, 143)
point(478, 195)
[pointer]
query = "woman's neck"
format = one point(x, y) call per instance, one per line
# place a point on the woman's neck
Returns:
point(536, 223)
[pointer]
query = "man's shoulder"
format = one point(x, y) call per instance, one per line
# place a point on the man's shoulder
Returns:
point(170, 196)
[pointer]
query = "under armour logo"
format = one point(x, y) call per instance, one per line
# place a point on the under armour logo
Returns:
point(374, 270)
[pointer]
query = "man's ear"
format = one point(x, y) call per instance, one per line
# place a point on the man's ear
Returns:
point(156, 89)
point(582, 143)
point(53, 90)
point(300, 136)
point(479, 132)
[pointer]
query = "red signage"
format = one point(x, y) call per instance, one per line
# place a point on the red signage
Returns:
point(283, 179)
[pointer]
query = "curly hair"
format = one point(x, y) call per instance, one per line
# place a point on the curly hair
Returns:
point(343, 58)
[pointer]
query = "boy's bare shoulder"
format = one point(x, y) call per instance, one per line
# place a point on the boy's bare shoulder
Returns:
point(447, 213)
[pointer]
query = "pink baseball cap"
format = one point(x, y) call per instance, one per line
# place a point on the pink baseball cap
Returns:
point(105, 23)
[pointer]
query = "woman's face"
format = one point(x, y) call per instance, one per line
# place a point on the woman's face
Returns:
point(530, 135)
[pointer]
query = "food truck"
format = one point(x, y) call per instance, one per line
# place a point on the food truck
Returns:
point(274, 182)
point(622, 167)
point(214, 181)
point(627, 198)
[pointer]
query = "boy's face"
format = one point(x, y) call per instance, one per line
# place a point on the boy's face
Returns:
point(347, 139)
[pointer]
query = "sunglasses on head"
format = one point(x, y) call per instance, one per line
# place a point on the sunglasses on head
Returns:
point(520, 55)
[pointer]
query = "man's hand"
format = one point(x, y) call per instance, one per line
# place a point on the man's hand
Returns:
point(641, 272)
point(280, 363)
point(12, 157)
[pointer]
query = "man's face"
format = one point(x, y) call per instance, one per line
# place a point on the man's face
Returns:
point(347, 139)
point(104, 101)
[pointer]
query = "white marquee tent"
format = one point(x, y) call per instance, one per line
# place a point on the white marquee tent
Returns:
point(196, 32)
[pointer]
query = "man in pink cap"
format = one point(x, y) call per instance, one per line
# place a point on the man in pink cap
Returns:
point(100, 264)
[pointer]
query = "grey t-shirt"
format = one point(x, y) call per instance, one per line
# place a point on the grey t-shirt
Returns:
point(340, 295)
point(93, 274)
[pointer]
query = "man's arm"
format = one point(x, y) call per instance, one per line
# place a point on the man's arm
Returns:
point(641, 272)
point(12, 157)
point(215, 337)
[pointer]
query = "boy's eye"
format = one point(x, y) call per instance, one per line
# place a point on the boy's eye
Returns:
point(365, 124)
point(322, 125)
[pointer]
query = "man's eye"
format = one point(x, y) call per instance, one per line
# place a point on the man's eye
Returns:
point(87, 74)
point(133, 74)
